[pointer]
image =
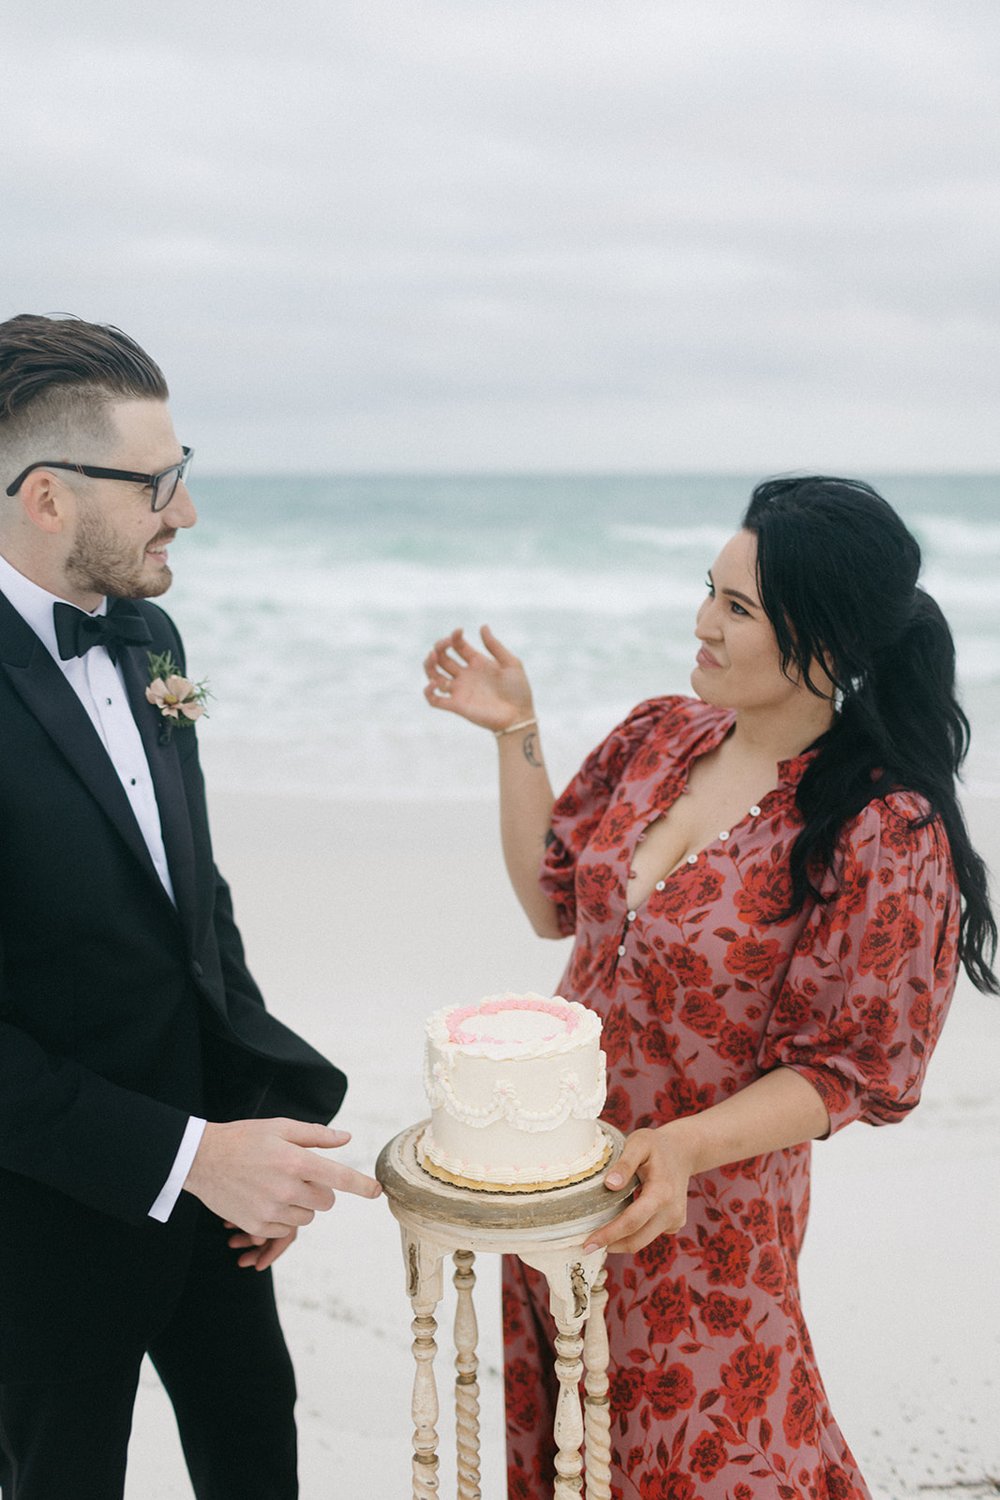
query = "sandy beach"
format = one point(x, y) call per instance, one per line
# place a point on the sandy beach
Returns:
point(361, 918)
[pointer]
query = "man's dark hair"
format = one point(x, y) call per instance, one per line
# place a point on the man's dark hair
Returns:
point(58, 378)
point(39, 354)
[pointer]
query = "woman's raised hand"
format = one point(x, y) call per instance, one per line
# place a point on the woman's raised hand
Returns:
point(491, 690)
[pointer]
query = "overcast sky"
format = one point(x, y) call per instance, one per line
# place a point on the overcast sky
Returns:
point(459, 234)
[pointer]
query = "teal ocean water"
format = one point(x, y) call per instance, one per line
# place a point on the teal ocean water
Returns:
point(309, 604)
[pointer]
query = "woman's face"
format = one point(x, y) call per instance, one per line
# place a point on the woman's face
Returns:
point(739, 664)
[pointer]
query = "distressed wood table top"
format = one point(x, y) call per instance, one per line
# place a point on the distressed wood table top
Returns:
point(555, 1211)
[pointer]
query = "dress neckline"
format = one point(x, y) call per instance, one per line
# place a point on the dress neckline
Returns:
point(790, 773)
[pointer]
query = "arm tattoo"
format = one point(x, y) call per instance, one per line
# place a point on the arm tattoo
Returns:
point(528, 746)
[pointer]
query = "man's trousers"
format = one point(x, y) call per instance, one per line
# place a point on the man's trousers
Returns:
point(223, 1361)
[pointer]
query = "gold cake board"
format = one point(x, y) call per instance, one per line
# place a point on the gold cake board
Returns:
point(442, 1175)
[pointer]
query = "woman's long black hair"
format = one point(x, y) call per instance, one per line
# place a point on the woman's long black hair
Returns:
point(837, 572)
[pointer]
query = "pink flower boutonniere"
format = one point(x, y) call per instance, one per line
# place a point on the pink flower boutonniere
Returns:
point(179, 700)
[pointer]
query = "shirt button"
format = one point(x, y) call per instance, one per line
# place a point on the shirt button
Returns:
point(132, 783)
point(621, 951)
point(631, 916)
point(692, 859)
point(755, 812)
point(661, 885)
point(197, 970)
point(108, 702)
point(724, 834)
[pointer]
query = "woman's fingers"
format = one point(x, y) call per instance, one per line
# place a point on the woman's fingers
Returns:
point(496, 648)
point(438, 664)
point(461, 647)
point(630, 1222)
point(635, 1159)
point(659, 1207)
point(639, 1225)
point(452, 654)
point(449, 656)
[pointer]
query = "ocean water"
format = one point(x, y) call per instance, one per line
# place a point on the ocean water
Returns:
point(310, 603)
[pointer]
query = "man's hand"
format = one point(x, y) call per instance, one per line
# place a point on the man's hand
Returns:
point(258, 1252)
point(261, 1177)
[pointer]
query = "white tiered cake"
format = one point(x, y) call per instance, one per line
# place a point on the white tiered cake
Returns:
point(515, 1085)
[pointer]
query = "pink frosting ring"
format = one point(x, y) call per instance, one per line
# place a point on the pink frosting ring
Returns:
point(560, 1012)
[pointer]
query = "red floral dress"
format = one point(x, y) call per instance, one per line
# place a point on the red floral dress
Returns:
point(715, 1394)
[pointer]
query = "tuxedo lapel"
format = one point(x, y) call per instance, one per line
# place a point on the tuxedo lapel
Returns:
point(45, 691)
point(168, 783)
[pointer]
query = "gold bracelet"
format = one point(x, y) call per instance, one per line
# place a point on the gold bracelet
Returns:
point(511, 728)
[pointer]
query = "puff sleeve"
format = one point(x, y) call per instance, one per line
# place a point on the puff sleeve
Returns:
point(580, 808)
point(872, 975)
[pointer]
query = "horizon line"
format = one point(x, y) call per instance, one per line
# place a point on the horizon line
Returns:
point(554, 473)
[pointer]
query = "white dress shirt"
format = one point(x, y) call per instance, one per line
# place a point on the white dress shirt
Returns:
point(100, 687)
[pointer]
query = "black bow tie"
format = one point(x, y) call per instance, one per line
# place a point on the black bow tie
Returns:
point(77, 631)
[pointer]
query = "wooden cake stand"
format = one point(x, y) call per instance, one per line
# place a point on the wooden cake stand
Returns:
point(547, 1230)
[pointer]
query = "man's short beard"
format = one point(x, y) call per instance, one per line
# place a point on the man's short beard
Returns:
point(98, 565)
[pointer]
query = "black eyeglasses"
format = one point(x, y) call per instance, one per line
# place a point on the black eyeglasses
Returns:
point(162, 484)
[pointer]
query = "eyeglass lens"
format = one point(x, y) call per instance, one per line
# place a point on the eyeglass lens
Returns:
point(166, 484)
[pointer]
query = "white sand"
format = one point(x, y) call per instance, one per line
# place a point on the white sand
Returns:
point(358, 921)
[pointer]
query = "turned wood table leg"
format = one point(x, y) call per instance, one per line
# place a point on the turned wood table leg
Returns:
point(424, 1288)
point(570, 1276)
point(597, 1409)
point(569, 1418)
point(466, 1384)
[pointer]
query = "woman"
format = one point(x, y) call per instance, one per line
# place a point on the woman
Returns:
point(771, 888)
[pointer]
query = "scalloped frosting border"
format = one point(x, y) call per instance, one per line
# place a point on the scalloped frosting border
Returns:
point(504, 1104)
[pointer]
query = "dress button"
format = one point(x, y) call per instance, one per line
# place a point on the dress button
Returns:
point(621, 951)
point(724, 834)
point(660, 885)
point(692, 859)
point(631, 916)
point(755, 812)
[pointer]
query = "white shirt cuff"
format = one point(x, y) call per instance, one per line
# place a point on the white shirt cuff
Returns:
point(171, 1189)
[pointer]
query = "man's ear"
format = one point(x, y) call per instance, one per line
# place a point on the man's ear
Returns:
point(47, 502)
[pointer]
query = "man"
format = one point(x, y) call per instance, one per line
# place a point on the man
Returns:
point(127, 1015)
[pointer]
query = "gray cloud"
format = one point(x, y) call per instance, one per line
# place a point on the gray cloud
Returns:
point(380, 235)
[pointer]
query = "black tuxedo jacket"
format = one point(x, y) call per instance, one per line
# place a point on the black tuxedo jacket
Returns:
point(120, 1015)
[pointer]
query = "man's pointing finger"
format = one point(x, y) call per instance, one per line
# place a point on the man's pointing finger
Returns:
point(342, 1179)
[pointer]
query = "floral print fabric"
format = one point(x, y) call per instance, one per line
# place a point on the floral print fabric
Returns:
point(715, 1394)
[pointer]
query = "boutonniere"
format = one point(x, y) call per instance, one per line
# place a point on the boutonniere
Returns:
point(179, 700)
